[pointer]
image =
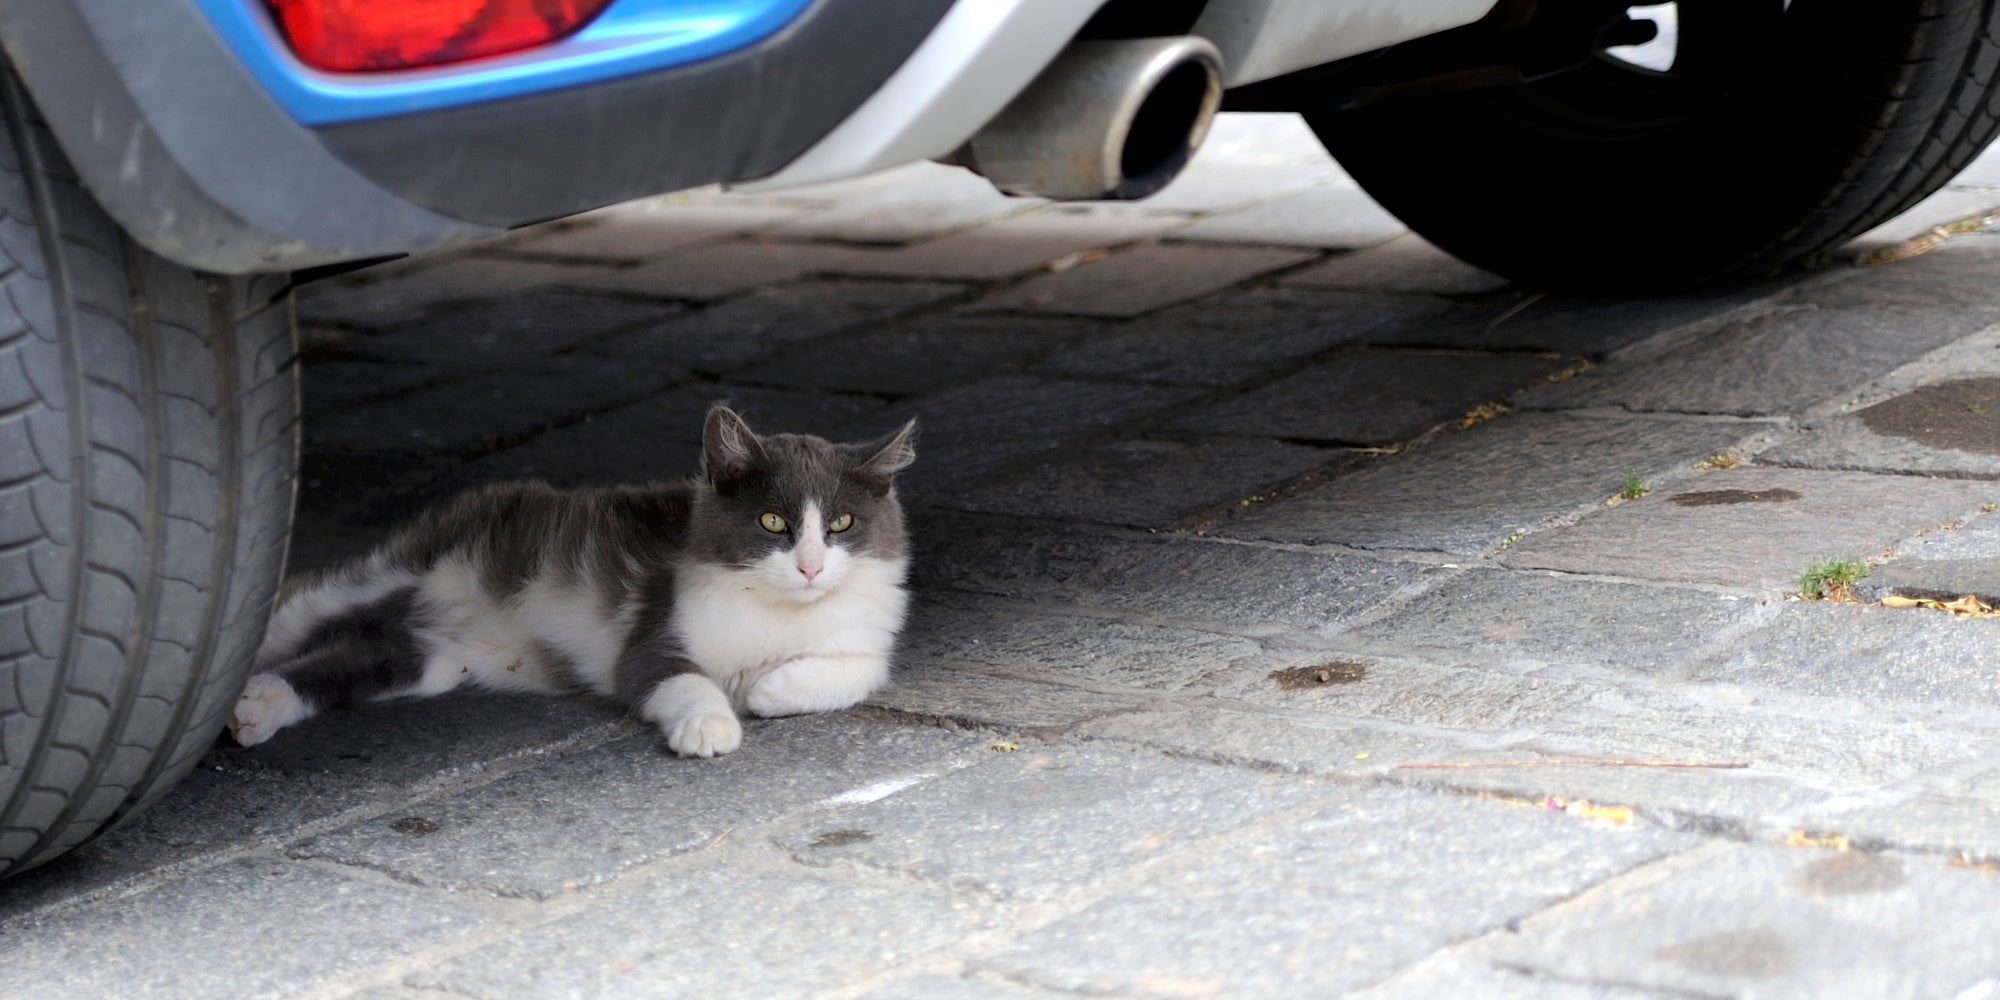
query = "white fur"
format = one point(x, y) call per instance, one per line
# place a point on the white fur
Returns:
point(268, 704)
point(810, 569)
point(815, 684)
point(573, 621)
point(695, 715)
point(740, 626)
point(474, 638)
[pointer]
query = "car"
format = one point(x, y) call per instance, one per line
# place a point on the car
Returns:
point(169, 171)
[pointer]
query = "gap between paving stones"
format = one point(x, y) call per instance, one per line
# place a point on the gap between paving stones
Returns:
point(1200, 522)
point(1199, 525)
point(1135, 876)
point(756, 847)
point(1641, 872)
point(1479, 743)
point(741, 851)
point(448, 782)
point(699, 378)
point(1258, 279)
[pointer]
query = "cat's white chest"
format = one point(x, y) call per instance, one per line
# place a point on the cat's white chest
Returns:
point(728, 625)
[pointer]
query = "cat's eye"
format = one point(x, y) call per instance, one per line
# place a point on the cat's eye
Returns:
point(773, 523)
point(841, 522)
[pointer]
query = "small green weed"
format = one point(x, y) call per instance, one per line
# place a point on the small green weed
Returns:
point(1633, 486)
point(1832, 578)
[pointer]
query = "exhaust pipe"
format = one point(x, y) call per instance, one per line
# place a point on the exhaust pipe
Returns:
point(1106, 120)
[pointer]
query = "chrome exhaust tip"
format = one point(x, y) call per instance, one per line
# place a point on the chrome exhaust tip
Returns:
point(1106, 120)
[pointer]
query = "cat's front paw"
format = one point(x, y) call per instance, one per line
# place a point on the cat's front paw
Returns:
point(695, 715)
point(267, 705)
point(813, 684)
point(705, 735)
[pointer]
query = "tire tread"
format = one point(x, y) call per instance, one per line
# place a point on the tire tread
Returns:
point(178, 501)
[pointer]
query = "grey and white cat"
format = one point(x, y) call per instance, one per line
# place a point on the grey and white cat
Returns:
point(771, 581)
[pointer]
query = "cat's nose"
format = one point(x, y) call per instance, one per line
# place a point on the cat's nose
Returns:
point(809, 572)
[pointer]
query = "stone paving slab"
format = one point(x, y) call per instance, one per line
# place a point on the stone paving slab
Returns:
point(1012, 246)
point(1449, 975)
point(1371, 398)
point(1943, 565)
point(1847, 443)
point(584, 820)
point(1335, 217)
point(1309, 740)
point(1254, 335)
point(1467, 493)
point(719, 270)
point(479, 410)
point(1789, 361)
point(262, 928)
point(1038, 824)
point(1730, 803)
point(933, 986)
point(723, 926)
point(1771, 922)
point(1939, 414)
point(1202, 190)
point(1956, 277)
point(1975, 538)
point(931, 353)
point(744, 329)
point(1404, 264)
point(948, 628)
point(1006, 702)
point(1805, 739)
point(1556, 626)
point(659, 437)
point(1216, 585)
point(350, 760)
point(1145, 483)
point(981, 427)
point(397, 295)
point(1891, 659)
point(1597, 329)
point(337, 383)
point(1751, 527)
point(1524, 766)
point(1142, 279)
point(1330, 901)
point(1959, 827)
point(515, 328)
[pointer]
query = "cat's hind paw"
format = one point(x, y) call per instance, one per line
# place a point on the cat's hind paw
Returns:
point(267, 705)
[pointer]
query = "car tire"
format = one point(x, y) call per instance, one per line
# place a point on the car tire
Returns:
point(148, 449)
point(1777, 135)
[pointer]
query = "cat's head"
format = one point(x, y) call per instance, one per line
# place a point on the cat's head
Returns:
point(798, 514)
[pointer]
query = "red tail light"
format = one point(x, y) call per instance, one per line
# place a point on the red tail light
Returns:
point(360, 35)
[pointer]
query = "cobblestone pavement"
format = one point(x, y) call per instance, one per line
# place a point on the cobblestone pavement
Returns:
point(1277, 631)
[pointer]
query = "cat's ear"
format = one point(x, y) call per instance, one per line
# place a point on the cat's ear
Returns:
point(728, 447)
point(890, 455)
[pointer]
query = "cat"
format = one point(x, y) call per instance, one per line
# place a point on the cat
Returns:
point(770, 581)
